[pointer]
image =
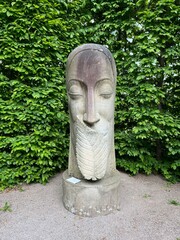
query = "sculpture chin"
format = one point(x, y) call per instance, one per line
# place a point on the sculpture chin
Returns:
point(92, 151)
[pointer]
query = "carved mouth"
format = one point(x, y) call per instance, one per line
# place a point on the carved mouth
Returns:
point(91, 128)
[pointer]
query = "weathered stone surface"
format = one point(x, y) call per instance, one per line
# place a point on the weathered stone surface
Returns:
point(92, 199)
point(91, 83)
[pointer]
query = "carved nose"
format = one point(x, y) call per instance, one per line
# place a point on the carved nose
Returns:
point(91, 116)
point(90, 119)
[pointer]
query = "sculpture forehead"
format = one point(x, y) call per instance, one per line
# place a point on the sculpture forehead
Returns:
point(89, 67)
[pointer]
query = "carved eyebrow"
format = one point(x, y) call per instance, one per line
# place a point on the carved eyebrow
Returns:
point(105, 79)
point(99, 81)
point(102, 80)
point(74, 80)
point(80, 80)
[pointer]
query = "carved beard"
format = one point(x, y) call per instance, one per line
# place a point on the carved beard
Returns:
point(92, 150)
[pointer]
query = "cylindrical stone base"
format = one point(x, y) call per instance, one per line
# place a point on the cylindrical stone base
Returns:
point(91, 199)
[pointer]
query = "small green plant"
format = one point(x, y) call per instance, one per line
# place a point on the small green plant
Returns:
point(174, 202)
point(20, 188)
point(169, 184)
point(146, 196)
point(6, 208)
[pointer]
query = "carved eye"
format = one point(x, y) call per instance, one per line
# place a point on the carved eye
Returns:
point(106, 91)
point(75, 92)
point(106, 95)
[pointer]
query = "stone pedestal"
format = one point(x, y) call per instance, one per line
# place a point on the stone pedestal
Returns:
point(88, 198)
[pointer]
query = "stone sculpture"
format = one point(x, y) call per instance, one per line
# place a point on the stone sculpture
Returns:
point(91, 83)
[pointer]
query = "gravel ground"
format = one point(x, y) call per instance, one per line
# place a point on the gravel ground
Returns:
point(38, 213)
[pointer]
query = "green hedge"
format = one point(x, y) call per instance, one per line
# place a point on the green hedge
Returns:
point(144, 38)
point(36, 37)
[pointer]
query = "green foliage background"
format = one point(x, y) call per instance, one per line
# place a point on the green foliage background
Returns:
point(35, 40)
point(36, 37)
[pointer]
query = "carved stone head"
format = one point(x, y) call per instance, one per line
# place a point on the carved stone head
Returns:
point(91, 83)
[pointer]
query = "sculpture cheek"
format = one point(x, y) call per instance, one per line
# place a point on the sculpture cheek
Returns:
point(105, 108)
point(106, 115)
point(76, 108)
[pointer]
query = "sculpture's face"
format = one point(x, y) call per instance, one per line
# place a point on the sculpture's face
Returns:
point(91, 93)
point(91, 88)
